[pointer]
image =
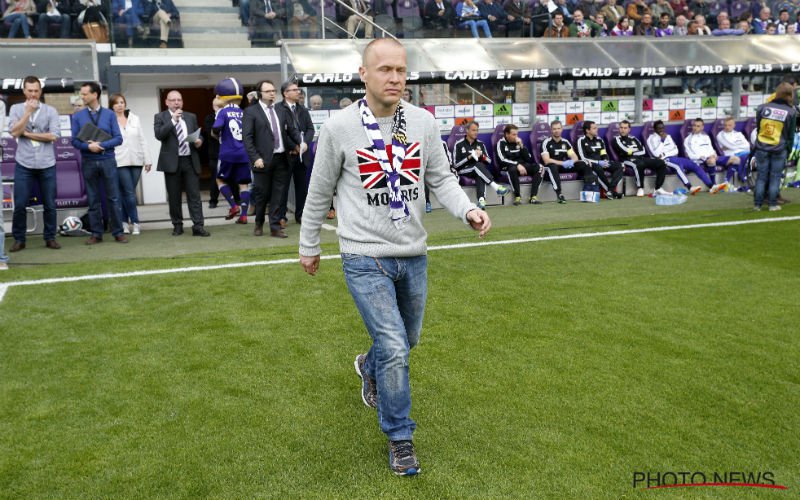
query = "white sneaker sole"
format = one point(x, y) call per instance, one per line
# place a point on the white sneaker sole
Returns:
point(361, 376)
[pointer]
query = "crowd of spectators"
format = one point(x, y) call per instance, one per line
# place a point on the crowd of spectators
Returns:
point(488, 18)
point(69, 18)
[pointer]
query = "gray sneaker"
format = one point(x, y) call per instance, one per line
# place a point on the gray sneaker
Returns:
point(369, 392)
point(403, 459)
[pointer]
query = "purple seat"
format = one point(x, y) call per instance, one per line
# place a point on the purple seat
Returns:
point(718, 125)
point(739, 8)
point(70, 189)
point(612, 131)
point(540, 132)
point(685, 129)
point(575, 133)
point(647, 131)
point(749, 127)
point(717, 6)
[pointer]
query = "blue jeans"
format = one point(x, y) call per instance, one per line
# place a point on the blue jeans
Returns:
point(23, 184)
point(18, 21)
point(45, 21)
point(390, 295)
point(94, 172)
point(770, 167)
point(473, 27)
point(128, 179)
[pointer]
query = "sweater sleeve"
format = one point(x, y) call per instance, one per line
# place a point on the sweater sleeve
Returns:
point(324, 176)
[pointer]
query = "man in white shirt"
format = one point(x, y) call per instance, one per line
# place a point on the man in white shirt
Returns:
point(734, 144)
point(699, 149)
point(661, 145)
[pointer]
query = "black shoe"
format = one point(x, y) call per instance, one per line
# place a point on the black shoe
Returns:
point(369, 392)
point(177, 230)
point(403, 459)
point(212, 204)
point(199, 231)
point(561, 199)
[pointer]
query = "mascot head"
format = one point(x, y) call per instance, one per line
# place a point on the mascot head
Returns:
point(229, 89)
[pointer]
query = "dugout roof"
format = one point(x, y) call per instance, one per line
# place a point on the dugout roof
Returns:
point(335, 62)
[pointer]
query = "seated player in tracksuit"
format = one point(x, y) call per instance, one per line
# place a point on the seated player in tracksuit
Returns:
point(633, 155)
point(699, 149)
point(663, 146)
point(734, 143)
point(514, 158)
point(472, 160)
point(557, 154)
point(592, 150)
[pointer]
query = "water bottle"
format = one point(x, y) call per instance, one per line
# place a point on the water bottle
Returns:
point(671, 199)
point(680, 191)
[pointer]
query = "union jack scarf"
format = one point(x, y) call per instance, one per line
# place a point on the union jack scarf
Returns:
point(398, 210)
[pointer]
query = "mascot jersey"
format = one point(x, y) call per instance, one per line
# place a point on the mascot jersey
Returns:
point(229, 123)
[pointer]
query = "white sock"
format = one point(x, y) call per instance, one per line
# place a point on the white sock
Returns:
point(494, 186)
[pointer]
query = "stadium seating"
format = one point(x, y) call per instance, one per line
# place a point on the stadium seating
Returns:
point(457, 133)
point(540, 132)
point(612, 131)
point(718, 125)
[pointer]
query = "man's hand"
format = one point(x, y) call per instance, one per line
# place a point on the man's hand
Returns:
point(479, 220)
point(475, 154)
point(198, 143)
point(270, 15)
point(95, 147)
point(310, 264)
point(31, 105)
point(521, 169)
point(259, 164)
point(147, 167)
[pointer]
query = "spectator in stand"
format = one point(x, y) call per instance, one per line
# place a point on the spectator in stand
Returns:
point(244, 12)
point(623, 28)
point(131, 156)
point(724, 29)
point(791, 29)
point(797, 22)
point(702, 27)
point(515, 159)
point(783, 21)
point(163, 11)
point(93, 13)
point(772, 29)
point(540, 17)
point(663, 146)
point(566, 9)
point(636, 10)
point(660, 7)
point(681, 28)
point(364, 7)
point(679, 7)
point(472, 160)
point(469, 16)
point(612, 12)
point(589, 8)
point(600, 20)
point(19, 15)
point(440, 14)
point(720, 16)
point(581, 27)
point(645, 26)
point(745, 27)
point(521, 12)
point(265, 21)
point(700, 7)
point(315, 102)
point(756, 6)
point(54, 12)
point(303, 19)
point(691, 29)
point(699, 149)
point(558, 28)
point(495, 15)
point(664, 28)
point(127, 12)
point(760, 24)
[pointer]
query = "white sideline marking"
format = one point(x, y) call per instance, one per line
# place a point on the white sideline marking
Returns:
point(4, 287)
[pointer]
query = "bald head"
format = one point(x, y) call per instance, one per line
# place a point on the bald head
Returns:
point(376, 44)
point(174, 101)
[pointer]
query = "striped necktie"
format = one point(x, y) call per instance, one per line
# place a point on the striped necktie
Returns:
point(276, 133)
point(183, 146)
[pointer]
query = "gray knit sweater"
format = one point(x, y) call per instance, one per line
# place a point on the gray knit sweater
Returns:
point(344, 162)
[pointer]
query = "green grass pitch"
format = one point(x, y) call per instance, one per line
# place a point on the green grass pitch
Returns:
point(554, 369)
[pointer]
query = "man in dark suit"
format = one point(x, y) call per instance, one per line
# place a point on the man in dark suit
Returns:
point(439, 14)
point(180, 163)
point(267, 18)
point(269, 133)
point(297, 162)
